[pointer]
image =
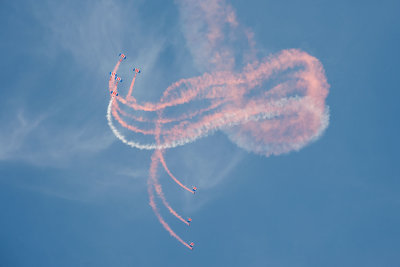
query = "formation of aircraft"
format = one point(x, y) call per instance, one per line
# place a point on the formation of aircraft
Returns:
point(114, 93)
point(116, 77)
point(119, 79)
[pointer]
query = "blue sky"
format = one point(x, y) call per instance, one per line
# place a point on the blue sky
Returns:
point(334, 203)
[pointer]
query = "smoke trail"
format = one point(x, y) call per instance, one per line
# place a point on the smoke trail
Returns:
point(211, 31)
point(282, 110)
point(269, 107)
point(129, 95)
point(154, 161)
point(162, 221)
point(162, 160)
point(153, 173)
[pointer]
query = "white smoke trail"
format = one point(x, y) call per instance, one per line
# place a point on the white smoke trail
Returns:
point(226, 121)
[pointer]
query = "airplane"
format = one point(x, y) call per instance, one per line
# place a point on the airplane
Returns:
point(189, 220)
point(112, 74)
point(136, 70)
point(191, 245)
point(122, 56)
point(194, 188)
point(114, 93)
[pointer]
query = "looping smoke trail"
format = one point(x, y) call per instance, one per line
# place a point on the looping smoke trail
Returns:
point(269, 107)
point(286, 117)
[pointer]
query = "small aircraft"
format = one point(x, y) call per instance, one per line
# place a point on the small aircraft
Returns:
point(136, 70)
point(189, 220)
point(112, 74)
point(122, 56)
point(114, 93)
point(194, 189)
point(191, 245)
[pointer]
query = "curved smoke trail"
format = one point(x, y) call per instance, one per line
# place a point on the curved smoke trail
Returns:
point(276, 120)
point(269, 107)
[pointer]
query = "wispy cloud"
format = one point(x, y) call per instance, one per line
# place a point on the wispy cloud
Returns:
point(14, 133)
point(93, 35)
point(98, 32)
point(35, 140)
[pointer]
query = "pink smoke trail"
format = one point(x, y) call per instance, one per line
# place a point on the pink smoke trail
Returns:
point(308, 86)
point(153, 173)
point(290, 121)
point(154, 181)
point(155, 160)
point(269, 107)
point(162, 160)
point(162, 221)
point(129, 95)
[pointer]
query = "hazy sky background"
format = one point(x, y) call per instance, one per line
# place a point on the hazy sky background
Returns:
point(71, 194)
